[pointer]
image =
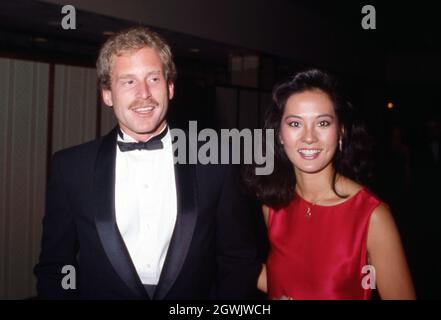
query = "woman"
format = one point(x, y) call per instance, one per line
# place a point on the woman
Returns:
point(330, 238)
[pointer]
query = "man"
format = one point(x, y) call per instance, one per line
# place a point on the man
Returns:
point(133, 224)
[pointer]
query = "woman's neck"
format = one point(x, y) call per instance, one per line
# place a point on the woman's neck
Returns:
point(313, 186)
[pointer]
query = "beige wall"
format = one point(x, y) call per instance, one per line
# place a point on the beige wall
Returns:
point(75, 99)
point(24, 101)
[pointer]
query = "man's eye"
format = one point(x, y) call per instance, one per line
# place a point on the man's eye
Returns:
point(128, 82)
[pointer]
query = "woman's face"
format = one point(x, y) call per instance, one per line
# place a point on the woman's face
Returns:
point(309, 131)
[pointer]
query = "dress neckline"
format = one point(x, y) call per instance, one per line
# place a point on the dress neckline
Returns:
point(334, 205)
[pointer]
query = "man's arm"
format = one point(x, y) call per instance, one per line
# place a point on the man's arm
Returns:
point(59, 242)
point(237, 258)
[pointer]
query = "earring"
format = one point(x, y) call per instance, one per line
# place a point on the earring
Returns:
point(340, 145)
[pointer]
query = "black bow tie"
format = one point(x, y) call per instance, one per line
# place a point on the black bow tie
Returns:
point(154, 143)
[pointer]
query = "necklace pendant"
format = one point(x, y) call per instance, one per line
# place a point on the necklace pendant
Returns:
point(308, 212)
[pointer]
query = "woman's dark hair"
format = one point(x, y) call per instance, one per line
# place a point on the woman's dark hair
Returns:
point(277, 189)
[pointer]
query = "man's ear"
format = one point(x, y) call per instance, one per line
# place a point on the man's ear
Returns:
point(171, 90)
point(107, 97)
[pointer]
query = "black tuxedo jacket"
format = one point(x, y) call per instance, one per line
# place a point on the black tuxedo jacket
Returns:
point(212, 253)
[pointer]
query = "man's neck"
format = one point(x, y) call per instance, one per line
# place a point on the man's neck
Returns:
point(143, 137)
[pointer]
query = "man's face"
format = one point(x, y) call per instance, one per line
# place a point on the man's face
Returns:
point(139, 92)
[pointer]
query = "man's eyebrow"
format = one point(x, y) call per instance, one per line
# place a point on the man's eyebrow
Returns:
point(131, 75)
point(125, 75)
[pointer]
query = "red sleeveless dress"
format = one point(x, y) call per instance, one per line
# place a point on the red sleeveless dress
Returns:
point(320, 255)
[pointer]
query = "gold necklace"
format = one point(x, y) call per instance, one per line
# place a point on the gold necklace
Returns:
point(308, 209)
point(312, 203)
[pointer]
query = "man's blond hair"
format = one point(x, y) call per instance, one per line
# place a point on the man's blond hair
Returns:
point(129, 40)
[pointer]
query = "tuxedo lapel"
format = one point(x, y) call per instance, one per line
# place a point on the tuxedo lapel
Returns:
point(105, 219)
point(185, 177)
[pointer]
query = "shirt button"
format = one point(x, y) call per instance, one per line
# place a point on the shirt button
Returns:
point(149, 266)
point(146, 186)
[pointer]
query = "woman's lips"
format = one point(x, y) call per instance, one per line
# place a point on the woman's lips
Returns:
point(309, 154)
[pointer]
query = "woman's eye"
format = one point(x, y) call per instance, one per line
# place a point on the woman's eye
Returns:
point(294, 124)
point(324, 123)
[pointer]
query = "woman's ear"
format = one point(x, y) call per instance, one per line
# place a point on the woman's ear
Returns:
point(342, 132)
point(340, 139)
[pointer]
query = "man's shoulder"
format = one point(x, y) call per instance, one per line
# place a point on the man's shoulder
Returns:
point(88, 147)
point(79, 152)
point(80, 148)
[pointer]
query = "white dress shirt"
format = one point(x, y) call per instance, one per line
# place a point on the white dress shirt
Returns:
point(146, 205)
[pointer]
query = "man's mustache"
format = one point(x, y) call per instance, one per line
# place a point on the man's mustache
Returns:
point(144, 104)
